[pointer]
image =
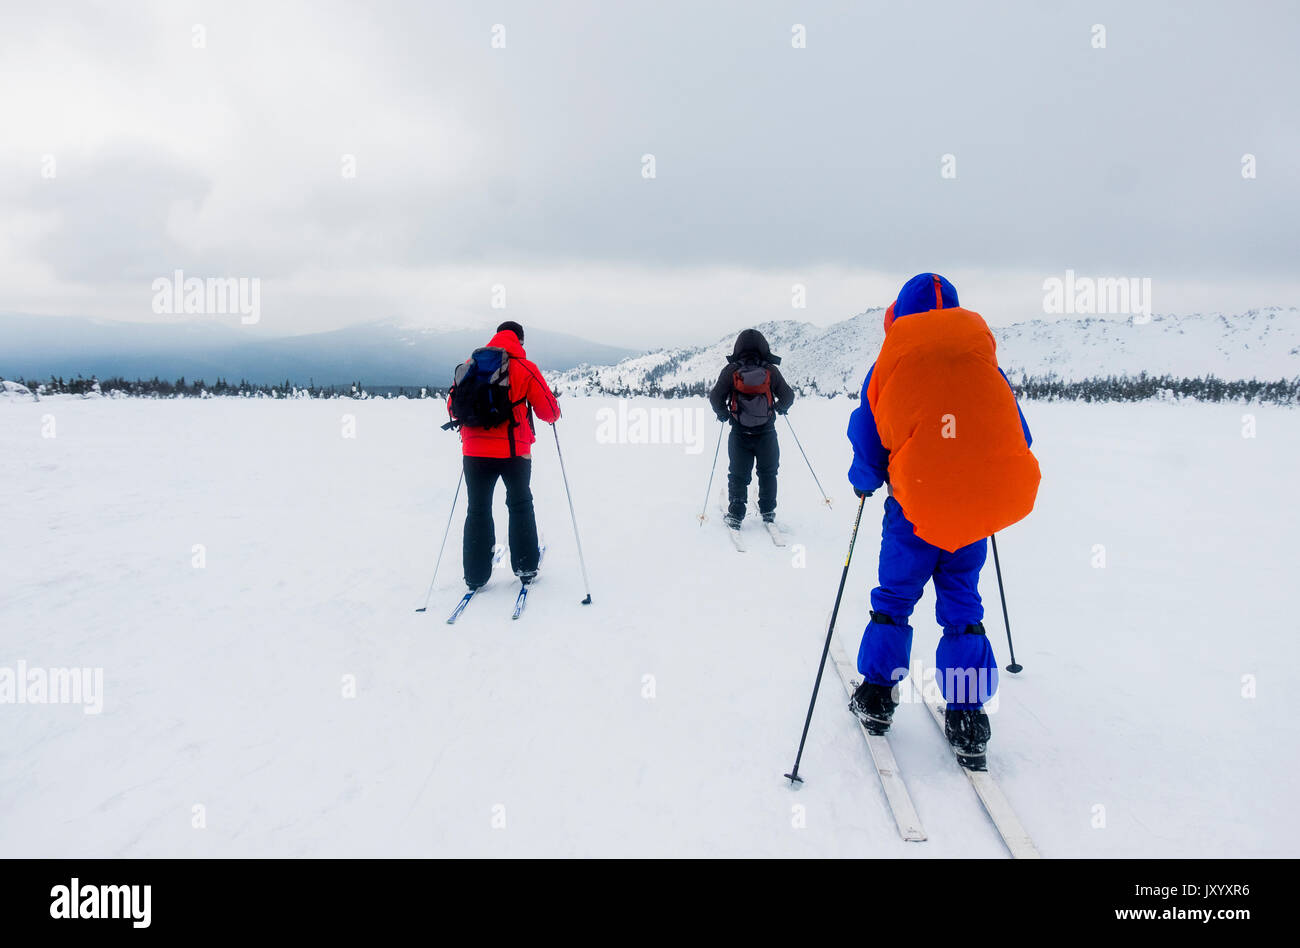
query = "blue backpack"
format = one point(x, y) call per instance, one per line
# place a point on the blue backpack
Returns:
point(480, 392)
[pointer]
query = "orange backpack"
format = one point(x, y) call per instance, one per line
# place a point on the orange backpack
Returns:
point(958, 463)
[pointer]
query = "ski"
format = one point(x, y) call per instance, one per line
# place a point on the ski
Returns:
point(521, 600)
point(773, 530)
point(1005, 821)
point(736, 540)
point(497, 554)
point(882, 755)
point(460, 607)
point(733, 533)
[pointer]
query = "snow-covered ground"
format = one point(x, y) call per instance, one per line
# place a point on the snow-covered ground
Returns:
point(658, 720)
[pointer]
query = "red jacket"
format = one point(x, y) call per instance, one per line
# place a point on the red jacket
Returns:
point(526, 387)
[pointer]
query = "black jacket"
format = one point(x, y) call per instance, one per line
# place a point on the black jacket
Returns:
point(751, 348)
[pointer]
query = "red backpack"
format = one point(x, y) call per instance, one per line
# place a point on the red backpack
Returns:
point(751, 395)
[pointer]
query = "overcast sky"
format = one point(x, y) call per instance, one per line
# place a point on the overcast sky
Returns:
point(522, 166)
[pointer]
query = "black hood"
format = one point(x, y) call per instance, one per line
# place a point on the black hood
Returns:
point(752, 343)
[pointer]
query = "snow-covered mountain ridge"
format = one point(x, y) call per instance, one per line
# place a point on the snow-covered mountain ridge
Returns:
point(1260, 343)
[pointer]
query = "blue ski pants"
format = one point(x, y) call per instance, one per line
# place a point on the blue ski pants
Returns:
point(967, 672)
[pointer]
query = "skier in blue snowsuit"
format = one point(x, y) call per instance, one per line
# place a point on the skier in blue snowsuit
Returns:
point(936, 378)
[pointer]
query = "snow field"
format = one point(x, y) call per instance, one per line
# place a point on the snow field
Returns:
point(658, 720)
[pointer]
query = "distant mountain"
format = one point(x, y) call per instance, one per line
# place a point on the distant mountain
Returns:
point(1262, 344)
point(377, 354)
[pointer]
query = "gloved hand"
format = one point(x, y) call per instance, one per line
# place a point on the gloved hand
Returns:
point(782, 411)
point(862, 493)
point(723, 417)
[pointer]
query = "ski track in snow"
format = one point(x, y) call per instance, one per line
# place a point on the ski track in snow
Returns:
point(223, 685)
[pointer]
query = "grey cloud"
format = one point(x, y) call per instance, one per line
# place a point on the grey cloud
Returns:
point(1124, 159)
point(112, 218)
point(771, 156)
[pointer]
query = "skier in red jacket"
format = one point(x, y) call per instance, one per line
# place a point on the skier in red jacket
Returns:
point(504, 451)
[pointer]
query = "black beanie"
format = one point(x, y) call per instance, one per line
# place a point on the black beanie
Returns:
point(514, 327)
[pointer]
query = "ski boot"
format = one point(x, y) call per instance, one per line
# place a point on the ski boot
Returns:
point(769, 517)
point(528, 576)
point(733, 523)
point(968, 731)
point(874, 706)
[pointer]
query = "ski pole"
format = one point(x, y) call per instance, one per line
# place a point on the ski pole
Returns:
point(441, 548)
point(713, 470)
point(572, 516)
point(1014, 668)
point(793, 775)
point(825, 499)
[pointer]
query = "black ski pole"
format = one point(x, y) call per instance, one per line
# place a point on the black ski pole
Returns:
point(825, 499)
point(713, 470)
point(793, 775)
point(1014, 668)
point(572, 516)
point(450, 515)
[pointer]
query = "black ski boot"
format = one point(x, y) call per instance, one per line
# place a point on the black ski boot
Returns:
point(529, 576)
point(769, 517)
point(733, 523)
point(968, 732)
point(874, 706)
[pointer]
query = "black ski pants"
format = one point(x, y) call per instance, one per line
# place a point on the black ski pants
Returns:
point(746, 451)
point(480, 532)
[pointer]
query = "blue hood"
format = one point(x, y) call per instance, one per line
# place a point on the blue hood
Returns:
point(924, 292)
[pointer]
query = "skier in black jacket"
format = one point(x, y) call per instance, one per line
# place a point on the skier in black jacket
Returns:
point(750, 393)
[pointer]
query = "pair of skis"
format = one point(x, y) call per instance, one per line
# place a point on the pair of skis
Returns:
point(999, 810)
point(521, 599)
point(773, 531)
point(778, 538)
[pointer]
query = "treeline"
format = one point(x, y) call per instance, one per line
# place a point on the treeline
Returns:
point(1049, 388)
point(1143, 387)
point(198, 388)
